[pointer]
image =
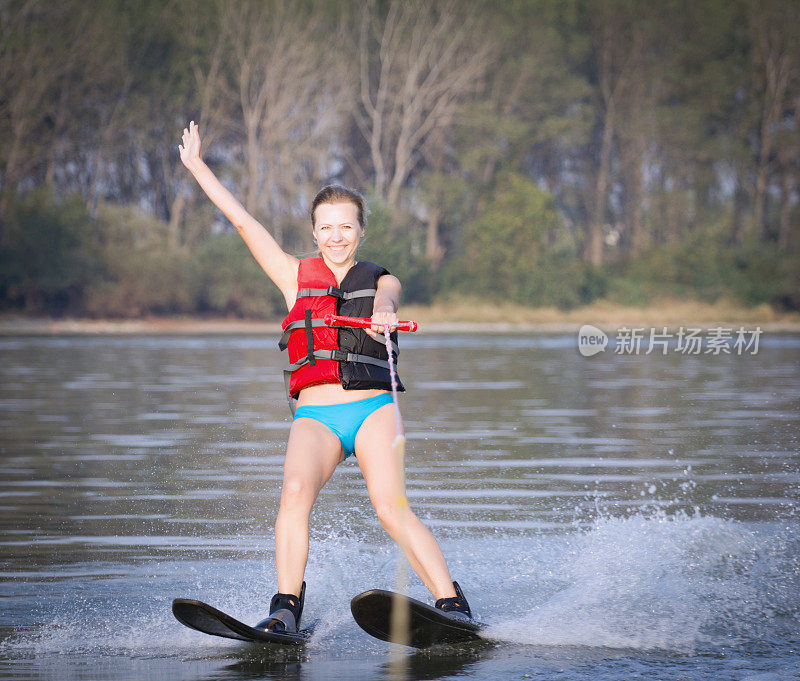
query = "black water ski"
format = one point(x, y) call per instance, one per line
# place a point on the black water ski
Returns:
point(209, 620)
point(372, 611)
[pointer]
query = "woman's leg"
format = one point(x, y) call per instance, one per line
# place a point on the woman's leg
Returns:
point(382, 473)
point(312, 454)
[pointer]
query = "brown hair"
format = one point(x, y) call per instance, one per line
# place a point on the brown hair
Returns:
point(335, 193)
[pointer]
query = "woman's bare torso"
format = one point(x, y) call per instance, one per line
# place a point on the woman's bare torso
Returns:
point(333, 393)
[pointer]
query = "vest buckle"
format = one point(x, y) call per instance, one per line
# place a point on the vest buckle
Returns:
point(339, 355)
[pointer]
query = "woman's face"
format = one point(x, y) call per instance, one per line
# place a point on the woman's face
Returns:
point(337, 231)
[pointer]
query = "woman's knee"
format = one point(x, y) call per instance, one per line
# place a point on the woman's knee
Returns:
point(297, 493)
point(392, 515)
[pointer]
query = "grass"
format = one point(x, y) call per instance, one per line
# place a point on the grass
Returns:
point(603, 313)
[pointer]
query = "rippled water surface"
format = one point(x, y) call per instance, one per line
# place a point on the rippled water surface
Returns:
point(615, 517)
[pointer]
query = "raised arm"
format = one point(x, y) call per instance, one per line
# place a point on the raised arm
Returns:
point(279, 265)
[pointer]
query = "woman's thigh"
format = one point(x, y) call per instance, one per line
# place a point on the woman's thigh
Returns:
point(312, 454)
point(380, 466)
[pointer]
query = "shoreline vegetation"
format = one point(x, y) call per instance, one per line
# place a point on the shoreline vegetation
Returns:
point(548, 155)
point(466, 316)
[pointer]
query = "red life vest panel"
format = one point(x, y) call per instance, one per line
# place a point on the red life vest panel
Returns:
point(313, 276)
point(321, 354)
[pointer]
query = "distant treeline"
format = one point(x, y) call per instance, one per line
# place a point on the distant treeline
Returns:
point(547, 152)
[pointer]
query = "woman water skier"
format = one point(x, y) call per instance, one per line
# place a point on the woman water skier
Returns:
point(343, 401)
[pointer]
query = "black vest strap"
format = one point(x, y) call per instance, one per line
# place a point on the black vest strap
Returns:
point(309, 339)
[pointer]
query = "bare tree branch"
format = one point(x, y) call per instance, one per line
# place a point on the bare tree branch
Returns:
point(417, 65)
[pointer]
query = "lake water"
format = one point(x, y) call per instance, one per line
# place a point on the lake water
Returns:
point(612, 517)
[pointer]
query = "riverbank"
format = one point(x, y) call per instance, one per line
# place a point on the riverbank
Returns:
point(464, 316)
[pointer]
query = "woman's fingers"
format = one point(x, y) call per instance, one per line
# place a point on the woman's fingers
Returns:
point(189, 132)
point(191, 142)
point(383, 319)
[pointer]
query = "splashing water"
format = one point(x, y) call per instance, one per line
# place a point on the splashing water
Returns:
point(137, 470)
point(670, 583)
point(680, 584)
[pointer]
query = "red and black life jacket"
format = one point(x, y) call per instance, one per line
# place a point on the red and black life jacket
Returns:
point(322, 354)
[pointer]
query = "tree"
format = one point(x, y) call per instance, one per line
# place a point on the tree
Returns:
point(200, 58)
point(418, 61)
point(289, 95)
point(52, 61)
point(618, 45)
point(517, 247)
point(774, 28)
point(787, 144)
point(44, 263)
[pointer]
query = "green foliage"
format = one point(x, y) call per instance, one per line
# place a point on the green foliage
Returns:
point(142, 283)
point(707, 267)
point(57, 260)
point(138, 273)
point(142, 274)
point(230, 282)
point(97, 103)
point(761, 273)
point(44, 264)
point(517, 248)
point(393, 243)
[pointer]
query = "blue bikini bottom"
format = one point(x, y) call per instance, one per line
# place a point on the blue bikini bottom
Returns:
point(344, 420)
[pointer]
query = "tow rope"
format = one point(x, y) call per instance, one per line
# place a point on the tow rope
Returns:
point(401, 616)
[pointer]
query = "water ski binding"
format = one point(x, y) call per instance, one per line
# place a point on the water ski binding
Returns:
point(203, 617)
point(428, 626)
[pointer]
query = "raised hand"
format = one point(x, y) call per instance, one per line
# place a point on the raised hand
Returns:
point(279, 265)
point(190, 149)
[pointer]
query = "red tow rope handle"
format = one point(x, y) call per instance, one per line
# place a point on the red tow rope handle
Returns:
point(364, 323)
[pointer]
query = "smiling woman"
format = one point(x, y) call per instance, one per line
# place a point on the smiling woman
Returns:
point(341, 381)
point(351, 214)
point(337, 231)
